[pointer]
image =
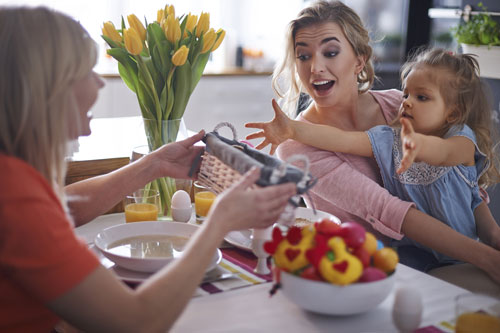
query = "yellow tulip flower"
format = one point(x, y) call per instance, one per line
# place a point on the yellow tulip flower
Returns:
point(172, 29)
point(219, 39)
point(180, 56)
point(137, 25)
point(208, 40)
point(203, 24)
point(110, 31)
point(160, 15)
point(133, 42)
point(190, 24)
point(170, 10)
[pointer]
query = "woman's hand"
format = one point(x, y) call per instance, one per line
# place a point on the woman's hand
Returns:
point(411, 145)
point(175, 159)
point(275, 131)
point(242, 207)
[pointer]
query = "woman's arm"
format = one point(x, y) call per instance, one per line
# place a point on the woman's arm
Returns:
point(282, 128)
point(101, 303)
point(92, 197)
point(345, 190)
point(486, 226)
point(433, 150)
point(438, 236)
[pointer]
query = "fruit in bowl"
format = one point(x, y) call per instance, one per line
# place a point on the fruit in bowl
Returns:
point(332, 269)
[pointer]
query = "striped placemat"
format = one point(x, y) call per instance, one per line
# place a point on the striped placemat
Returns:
point(234, 261)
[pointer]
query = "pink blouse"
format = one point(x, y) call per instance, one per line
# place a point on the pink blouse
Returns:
point(349, 186)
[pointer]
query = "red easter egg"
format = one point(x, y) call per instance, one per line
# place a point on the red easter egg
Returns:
point(353, 234)
point(371, 274)
point(311, 273)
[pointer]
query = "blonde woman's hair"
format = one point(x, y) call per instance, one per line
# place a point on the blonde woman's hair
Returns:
point(463, 90)
point(43, 52)
point(318, 13)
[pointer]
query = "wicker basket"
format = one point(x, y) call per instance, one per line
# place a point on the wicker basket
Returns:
point(224, 161)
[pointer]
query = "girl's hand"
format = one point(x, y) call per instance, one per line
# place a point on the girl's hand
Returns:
point(242, 207)
point(275, 131)
point(411, 145)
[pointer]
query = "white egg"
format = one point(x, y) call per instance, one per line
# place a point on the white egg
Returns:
point(407, 310)
point(181, 200)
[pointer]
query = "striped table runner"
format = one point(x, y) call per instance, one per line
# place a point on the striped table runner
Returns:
point(234, 261)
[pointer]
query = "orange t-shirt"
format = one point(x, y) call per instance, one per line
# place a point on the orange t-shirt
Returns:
point(40, 256)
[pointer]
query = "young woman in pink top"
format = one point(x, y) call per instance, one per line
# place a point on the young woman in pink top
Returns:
point(328, 56)
point(47, 87)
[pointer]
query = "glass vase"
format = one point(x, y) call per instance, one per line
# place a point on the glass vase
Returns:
point(159, 133)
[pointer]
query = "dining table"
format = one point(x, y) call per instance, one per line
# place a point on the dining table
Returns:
point(248, 306)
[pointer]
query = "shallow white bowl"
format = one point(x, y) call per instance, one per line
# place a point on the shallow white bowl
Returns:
point(149, 265)
point(330, 299)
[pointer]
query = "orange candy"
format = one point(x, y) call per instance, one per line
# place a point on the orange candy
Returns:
point(385, 259)
point(370, 244)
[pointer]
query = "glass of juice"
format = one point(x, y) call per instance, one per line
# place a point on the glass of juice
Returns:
point(477, 313)
point(203, 199)
point(142, 205)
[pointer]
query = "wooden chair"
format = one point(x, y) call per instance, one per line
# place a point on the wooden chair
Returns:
point(80, 170)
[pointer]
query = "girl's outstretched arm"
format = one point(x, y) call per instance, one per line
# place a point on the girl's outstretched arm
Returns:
point(433, 150)
point(282, 128)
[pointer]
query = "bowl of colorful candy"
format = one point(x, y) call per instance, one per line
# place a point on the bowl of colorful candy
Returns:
point(332, 269)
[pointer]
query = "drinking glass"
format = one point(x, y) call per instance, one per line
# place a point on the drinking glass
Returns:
point(142, 205)
point(477, 313)
point(203, 200)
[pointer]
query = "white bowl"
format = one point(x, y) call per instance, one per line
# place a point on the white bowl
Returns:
point(151, 264)
point(330, 299)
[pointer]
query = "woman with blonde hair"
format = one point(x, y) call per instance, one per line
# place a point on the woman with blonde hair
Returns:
point(47, 87)
point(328, 56)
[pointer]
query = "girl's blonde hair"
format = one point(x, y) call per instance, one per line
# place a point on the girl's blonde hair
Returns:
point(462, 89)
point(43, 53)
point(318, 13)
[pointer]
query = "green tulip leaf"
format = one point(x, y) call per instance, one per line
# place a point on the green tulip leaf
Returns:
point(198, 68)
point(182, 85)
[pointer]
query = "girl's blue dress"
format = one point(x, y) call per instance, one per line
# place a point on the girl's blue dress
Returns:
point(450, 194)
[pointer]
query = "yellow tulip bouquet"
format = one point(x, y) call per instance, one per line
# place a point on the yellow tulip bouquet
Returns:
point(162, 62)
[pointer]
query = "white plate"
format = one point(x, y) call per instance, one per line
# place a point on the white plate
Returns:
point(242, 239)
point(146, 265)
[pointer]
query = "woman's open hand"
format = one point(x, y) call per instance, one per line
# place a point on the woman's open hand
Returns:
point(175, 159)
point(275, 131)
point(242, 207)
point(410, 143)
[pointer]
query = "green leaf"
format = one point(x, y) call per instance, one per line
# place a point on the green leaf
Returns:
point(198, 68)
point(182, 85)
point(127, 77)
point(129, 66)
point(147, 84)
point(170, 104)
point(160, 49)
point(158, 81)
point(111, 42)
point(163, 99)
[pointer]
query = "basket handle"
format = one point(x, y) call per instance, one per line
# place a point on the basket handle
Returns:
point(281, 170)
point(225, 123)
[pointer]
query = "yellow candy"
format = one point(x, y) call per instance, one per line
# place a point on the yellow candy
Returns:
point(345, 268)
point(293, 257)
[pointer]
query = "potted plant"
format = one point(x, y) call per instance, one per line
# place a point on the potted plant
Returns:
point(480, 35)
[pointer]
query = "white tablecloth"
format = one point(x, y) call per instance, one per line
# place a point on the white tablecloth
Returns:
point(250, 309)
